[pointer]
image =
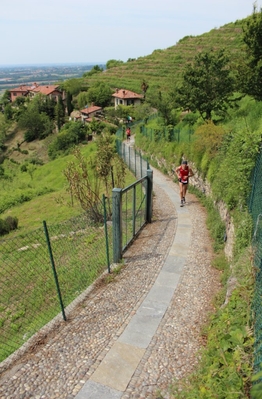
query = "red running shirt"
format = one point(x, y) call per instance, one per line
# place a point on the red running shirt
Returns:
point(184, 174)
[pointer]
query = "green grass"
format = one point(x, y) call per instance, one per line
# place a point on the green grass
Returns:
point(45, 197)
point(29, 296)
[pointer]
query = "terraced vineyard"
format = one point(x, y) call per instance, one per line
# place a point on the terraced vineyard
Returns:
point(163, 67)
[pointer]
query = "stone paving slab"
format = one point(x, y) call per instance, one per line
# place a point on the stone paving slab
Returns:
point(93, 390)
point(120, 363)
point(118, 366)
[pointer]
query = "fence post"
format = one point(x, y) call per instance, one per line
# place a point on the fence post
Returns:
point(117, 224)
point(54, 270)
point(106, 233)
point(149, 196)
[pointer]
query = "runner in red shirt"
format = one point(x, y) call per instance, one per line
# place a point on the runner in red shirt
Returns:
point(183, 173)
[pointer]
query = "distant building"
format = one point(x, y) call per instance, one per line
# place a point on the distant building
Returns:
point(51, 91)
point(126, 97)
point(21, 91)
point(87, 114)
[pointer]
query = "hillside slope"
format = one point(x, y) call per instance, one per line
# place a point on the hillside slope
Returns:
point(163, 66)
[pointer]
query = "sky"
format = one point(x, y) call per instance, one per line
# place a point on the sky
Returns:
point(84, 31)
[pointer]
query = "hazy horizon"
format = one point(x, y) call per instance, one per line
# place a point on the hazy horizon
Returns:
point(57, 32)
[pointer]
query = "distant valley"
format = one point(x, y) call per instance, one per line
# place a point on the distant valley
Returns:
point(13, 76)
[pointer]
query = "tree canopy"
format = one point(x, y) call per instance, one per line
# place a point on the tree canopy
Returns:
point(250, 71)
point(100, 94)
point(113, 63)
point(206, 84)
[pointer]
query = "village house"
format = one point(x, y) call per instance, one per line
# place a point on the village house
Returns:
point(126, 97)
point(51, 91)
point(21, 91)
point(87, 114)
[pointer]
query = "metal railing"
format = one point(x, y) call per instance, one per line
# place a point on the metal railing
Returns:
point(134, 159)
point(132, 209)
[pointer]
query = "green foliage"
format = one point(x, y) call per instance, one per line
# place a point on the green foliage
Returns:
point(8, 224)
point(74, 86)
point(250, 71)
point(59, 113)
point(235, 168)
point(224, 370)
point(85, 177)
point(71, 134)
point(100, 94)
point(113, 63)
point(206, 84)
point(37, 119)
point(82, 99)
point(96, 69)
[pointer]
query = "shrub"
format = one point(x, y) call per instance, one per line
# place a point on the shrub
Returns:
point(23, 168)
point(3, 227)
point(8, 224)
point(11, 222)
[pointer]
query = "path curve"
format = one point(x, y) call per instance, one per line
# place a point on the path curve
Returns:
point(130, 338)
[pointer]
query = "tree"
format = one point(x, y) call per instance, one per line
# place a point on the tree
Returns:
point(37, 124)
point(69, 104)
point(59, 113)
point(206, 84)
point(100, 94)
point(71, 134)
point(85, 176)
point(250, 70)
point(74, 86)
point(8, 112)
point(94, 70)
point(113, 63)
point(82, 99)
point(144, 87)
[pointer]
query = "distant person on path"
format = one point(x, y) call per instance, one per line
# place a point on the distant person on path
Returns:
point(183, 173)
point(128, 134)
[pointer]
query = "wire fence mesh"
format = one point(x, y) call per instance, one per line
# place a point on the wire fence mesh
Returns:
point(134, 210)
point(255, 206)
point(167, 133)
point(29, 295)
point(134, 160)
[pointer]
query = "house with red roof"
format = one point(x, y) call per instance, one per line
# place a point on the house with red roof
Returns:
point(126, 97)
point(20, 91)
point(51, 91)
point(88, 113)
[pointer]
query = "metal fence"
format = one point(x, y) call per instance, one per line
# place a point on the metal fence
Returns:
point(255, 206)
point(167, 133)
point(134, 159)
point(43, 271)
point(132, 206)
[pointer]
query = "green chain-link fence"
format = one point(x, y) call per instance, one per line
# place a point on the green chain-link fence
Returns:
point(167, 133)
point(255, 206)
point(43, 271)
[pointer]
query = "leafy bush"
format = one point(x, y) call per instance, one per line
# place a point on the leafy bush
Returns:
point(8, 224)
point(12, 223)
point(71, 134)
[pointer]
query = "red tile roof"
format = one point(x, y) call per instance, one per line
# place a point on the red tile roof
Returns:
point(23, 88)
point(45, 89)
point(126, 94)
point(89, 110)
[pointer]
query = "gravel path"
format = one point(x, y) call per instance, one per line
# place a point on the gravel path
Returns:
point(61, 362)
